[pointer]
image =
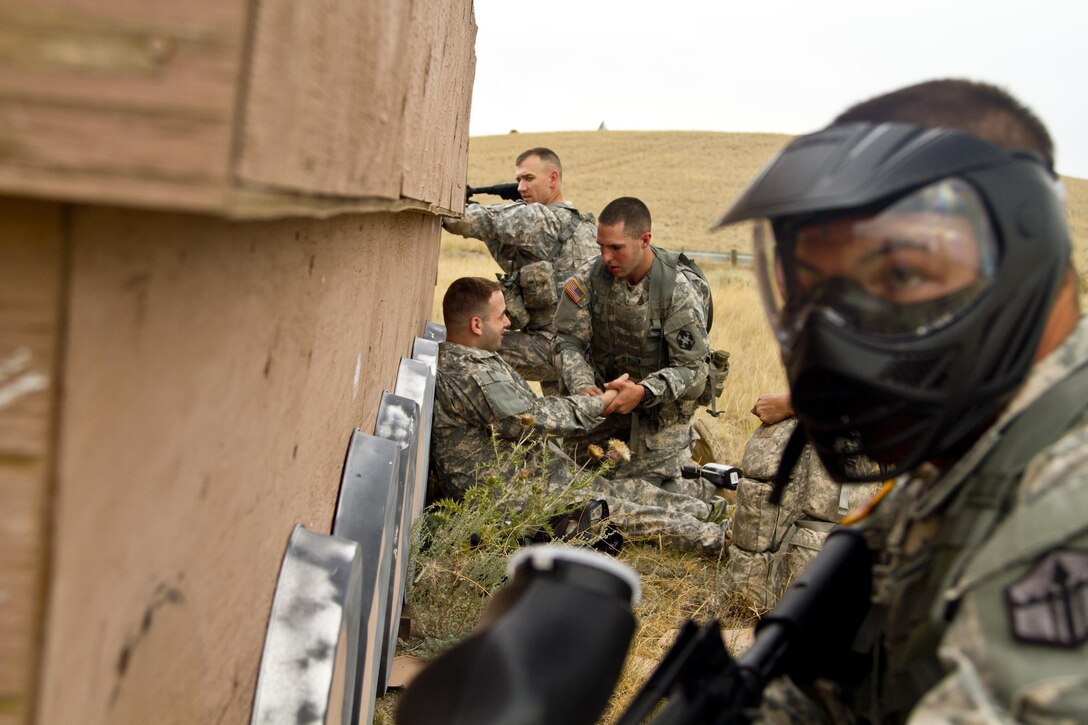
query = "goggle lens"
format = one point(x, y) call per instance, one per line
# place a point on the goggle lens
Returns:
point(908, 269)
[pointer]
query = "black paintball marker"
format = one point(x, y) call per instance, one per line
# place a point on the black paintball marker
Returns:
point(548, 649)
point(553, 640)
point(807, 635)
point(508, 191)
point(719, 474)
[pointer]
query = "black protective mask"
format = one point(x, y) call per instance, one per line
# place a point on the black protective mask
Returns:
point(874, 396)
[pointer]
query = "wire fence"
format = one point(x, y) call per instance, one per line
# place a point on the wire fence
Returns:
point(733, 256)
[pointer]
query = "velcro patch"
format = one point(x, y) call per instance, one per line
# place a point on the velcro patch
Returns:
point(685, 340)
point(574, 291)
point(1049, 604)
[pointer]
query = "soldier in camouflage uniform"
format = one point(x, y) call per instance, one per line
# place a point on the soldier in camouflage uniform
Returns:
point(616, 318)
point(479, 398)
point(538, 242)
point(917, 267)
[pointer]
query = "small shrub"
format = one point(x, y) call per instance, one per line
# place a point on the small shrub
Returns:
point(461, 547)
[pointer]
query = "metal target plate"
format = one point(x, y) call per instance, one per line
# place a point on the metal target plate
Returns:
point(398, 421)
point(310, 658)
point(365, 513)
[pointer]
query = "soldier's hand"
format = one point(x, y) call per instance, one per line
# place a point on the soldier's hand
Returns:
point(592, 390)
point(629, 395)
point(773, 408)
point(608, 396)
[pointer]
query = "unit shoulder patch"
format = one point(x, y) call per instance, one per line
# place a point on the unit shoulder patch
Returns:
point(1049, 604)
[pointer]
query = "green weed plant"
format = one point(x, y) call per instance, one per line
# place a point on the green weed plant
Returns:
point(461, 547)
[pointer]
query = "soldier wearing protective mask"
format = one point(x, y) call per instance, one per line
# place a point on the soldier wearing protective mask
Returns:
point(916, 265)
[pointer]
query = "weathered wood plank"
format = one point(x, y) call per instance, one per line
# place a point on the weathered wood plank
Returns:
point(318, 105)
point(439, 96)
point(213, 373)
point(132, 107)
point(326, 90)
point(378, 108)
point(31, 278)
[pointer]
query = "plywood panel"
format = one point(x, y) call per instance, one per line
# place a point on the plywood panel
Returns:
point(326, 91)
point(31, 279)
point(214, 373)
point(115, 98)
point(439, 98)
point(250, 109)
point(380, 100)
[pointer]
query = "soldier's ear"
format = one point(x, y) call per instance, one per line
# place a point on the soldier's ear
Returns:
point(476, 325)
point(646, 239)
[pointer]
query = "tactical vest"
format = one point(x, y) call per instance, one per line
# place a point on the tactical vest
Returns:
point(538, 281)
point(629, 339)
point(914, 630)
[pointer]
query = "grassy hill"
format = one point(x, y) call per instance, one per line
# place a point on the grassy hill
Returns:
point(687, 178)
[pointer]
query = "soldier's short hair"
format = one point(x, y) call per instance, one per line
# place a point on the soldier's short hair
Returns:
point(634, 214)
point(980, 109)
point(544, 154)
point(467, 297)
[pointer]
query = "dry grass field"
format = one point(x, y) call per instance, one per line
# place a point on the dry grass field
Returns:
point(687, 179)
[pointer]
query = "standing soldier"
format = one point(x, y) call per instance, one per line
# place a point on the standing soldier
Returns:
point(631, 312)
point(539, 243)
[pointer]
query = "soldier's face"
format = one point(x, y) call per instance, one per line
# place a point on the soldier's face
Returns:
point(622, 255)
point(494, 322)
point(537, 180)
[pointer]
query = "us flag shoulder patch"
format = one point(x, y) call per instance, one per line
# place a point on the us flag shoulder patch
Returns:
point(574, 291)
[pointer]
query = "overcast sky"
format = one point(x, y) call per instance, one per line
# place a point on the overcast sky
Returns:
point(767, 65)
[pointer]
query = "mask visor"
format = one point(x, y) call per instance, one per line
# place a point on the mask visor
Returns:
point(909, 269)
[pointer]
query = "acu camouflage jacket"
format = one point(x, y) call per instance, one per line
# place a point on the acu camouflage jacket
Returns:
point(538, 248)
point(476, 392)
point(606, 327)
point(1008, 623)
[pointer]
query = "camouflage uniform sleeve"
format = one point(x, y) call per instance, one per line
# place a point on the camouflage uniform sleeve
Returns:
point(512, 410)
point(573, 330)
point(1018, 646)
point(565, 415)
point(689, 346)
point(532, 229)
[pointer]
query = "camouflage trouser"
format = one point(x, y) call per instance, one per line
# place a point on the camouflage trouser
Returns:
point(643, 492)
point(657, 453)
point(670, 527)
point(642, 510)
point(530, 354)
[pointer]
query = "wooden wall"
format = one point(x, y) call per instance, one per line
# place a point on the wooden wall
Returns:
point(219, 229)
point(211, 383)
point(243, 107)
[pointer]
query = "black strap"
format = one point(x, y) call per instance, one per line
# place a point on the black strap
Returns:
point(790, 456)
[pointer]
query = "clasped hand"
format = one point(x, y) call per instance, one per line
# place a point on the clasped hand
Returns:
point(620, 395)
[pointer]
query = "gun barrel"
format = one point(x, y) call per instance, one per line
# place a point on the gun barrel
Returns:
point(508, 191)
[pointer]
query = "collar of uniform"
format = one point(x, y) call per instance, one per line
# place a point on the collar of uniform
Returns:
point(1071, 354)
point(454, 350)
